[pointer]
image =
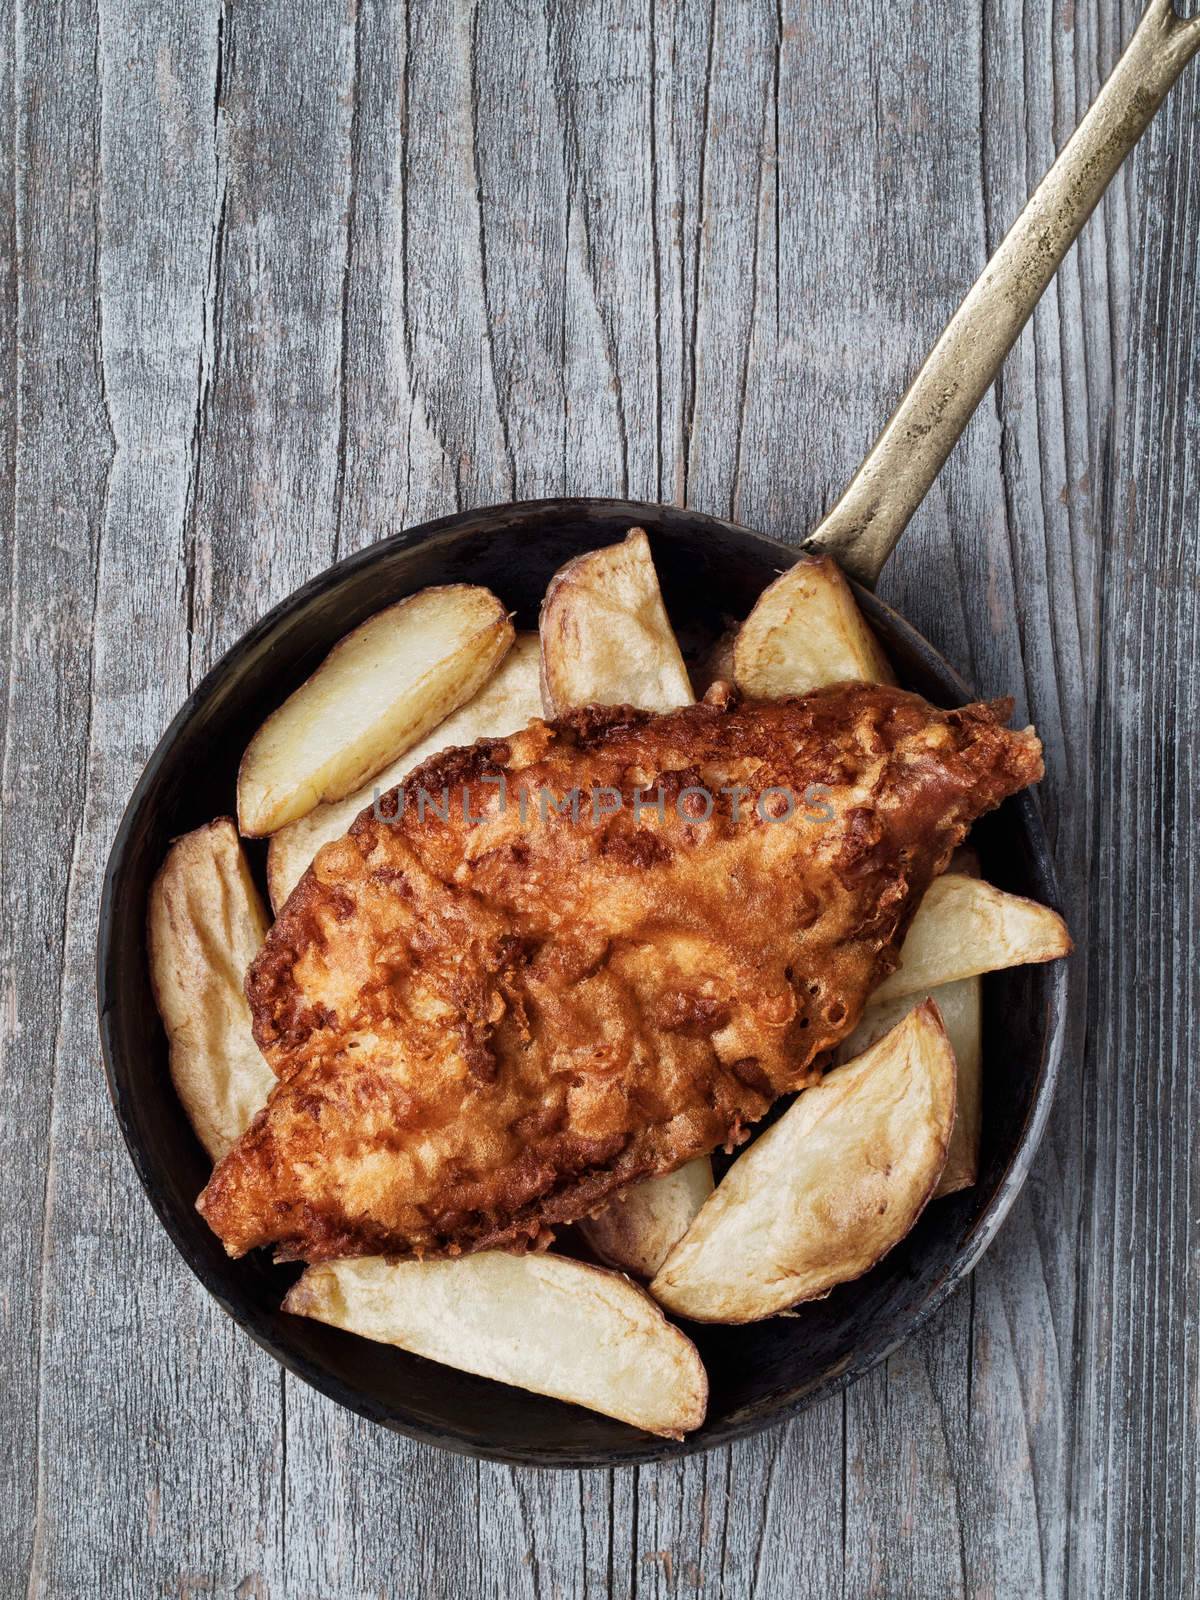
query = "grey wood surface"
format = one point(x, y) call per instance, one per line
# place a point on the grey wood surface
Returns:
point(280, 278)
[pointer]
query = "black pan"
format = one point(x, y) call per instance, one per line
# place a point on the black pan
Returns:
point(710, 569)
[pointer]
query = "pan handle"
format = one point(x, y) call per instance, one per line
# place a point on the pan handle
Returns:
point(875, 509)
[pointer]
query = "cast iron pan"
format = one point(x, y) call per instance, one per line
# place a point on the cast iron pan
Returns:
point(759, 1375)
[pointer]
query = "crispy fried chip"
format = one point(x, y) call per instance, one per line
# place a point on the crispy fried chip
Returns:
point(960, 1004)
point(965, 926)
point(606, 638)
point(378, 691)
point(639, 1231)
point(806, 630)
point(540, 1322)
point(206, 924)
point(828, 1190)
point(508, 701)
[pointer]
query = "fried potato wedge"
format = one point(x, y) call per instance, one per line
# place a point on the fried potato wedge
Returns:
point(606, 638)
point(828, 1189)
point(638, 1232)
point(965, 926)
point(961, 1006)
point(205, 925)
point(539, 1322)
point(508, 701)
point(378, 691)
point(806, 630)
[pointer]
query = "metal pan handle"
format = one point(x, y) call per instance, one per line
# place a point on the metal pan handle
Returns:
point(901, 465)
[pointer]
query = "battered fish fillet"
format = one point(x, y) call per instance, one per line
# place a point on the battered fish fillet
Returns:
point(488, 1014)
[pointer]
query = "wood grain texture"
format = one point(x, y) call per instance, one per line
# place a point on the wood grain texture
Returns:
point(279, 279)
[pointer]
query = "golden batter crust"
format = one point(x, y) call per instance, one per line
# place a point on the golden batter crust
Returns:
point(484, 1028)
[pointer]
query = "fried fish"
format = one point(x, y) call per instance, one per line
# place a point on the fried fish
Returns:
point(559, 963)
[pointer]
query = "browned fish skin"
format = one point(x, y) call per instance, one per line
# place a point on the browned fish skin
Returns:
point(483, 1030)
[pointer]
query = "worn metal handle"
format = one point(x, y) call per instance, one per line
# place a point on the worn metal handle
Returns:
point(899, 470)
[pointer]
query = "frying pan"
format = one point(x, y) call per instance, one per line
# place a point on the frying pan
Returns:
point(709, 568)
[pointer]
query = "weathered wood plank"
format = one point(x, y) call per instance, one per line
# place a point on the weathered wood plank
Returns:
point(58, 450)
point(143, 1386)
point(263, 514)
point(452, 350)
point(286, 278)
point(395, 471)
point(1135, 1466)
point(22, 1157)
point(1008, 1406)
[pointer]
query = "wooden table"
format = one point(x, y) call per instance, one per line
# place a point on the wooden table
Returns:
point(281, 279)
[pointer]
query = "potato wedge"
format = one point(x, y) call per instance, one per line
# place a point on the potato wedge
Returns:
point(606, 638)
point(965, 926)
point(205, 925)
point(961, 1006)
point(508, 701)
point(806, 630)
point(377, 692)
point(828, 1189)
point(638, 1232)
point(540, 1322)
